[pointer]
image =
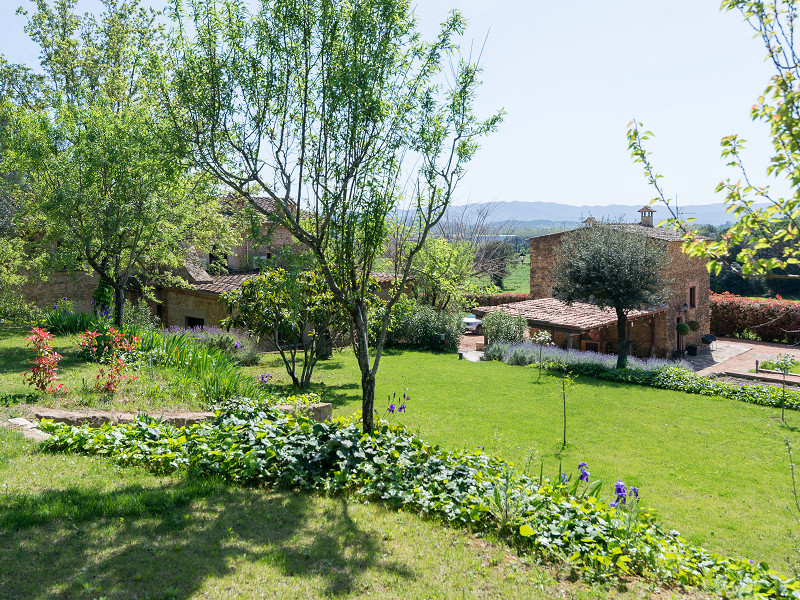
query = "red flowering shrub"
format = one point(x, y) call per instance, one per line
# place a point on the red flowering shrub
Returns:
point(770, 319)
point(101, 346)
point(109, 378)
point(45, 362)
point(494, 299)
point(113, 348)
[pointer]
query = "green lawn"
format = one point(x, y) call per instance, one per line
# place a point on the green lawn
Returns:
point(518, 280)
point(716, 470)
point(80, 527)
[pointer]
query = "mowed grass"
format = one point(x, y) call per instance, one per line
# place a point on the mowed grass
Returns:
point(153, 389)
point(716, 470)
point(80, 527)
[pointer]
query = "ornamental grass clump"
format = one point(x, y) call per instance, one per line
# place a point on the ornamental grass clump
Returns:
point(249, 443)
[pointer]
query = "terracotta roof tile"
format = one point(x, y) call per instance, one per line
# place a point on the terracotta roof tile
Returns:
point(222, 283)
point(549, 312)
point(659, 233)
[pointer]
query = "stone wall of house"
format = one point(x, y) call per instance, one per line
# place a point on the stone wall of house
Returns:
point(179, 305)
point(686, 272)
point(243, 256)
point(543, 256)
point(78, 288)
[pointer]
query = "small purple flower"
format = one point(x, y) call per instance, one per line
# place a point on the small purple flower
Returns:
point(635, 492)
point(402, 408)
point(564, 478)
point(584, 475)
point(237, 345)
point(391, 408)
point(619, 490)
point(265, 377)
point(582, 465)
point(613, 504)
point(481, 447)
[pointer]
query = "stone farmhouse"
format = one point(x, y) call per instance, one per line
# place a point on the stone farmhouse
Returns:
point(198, 304)
point(651, 330)
point(191, 306)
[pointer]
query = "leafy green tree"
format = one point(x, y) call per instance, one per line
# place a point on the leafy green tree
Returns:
point(614, 268)
point(443, 273)
point(293, 310)
point(340, 113)
point(103, 187)
point(763, 220)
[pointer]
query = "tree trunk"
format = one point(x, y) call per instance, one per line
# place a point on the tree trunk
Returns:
point(368, 401)
point(119, 301)
point(367, 374)
point(622, 339)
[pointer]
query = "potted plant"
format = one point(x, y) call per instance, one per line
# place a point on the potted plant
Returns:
point(682, 328)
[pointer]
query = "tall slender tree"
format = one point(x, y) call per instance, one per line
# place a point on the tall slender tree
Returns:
point(339, 112)
point(763, 219)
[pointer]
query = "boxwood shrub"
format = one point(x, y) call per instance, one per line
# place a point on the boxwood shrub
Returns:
point(559, 521)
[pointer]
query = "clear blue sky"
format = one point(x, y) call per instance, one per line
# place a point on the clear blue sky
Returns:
point(571, 76)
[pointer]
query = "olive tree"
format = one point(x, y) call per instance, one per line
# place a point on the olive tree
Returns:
point(341, 114)
point(612, 267)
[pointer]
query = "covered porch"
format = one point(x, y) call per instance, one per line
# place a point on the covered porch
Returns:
point(587, 327)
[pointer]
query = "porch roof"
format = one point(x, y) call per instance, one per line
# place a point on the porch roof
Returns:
point(550, 313)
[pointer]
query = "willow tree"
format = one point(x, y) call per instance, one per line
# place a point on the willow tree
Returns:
point(342, 115)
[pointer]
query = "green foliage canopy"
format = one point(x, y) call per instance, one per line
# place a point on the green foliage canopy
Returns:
point(341, 114)
point(612, 267)
point(103, 185)
point(292, 310)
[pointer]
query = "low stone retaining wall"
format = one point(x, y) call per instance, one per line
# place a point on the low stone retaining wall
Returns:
point(96, 418)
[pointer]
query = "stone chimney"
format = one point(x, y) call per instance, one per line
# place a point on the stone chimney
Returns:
point(647, 216)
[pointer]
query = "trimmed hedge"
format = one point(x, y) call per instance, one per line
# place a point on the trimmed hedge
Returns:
point(769, 319)
point(562, 521)
point(494, 299)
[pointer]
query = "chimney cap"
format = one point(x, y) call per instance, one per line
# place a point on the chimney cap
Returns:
point(646, 209)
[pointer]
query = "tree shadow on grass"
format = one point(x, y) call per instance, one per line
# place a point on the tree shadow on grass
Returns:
point(15, 359)
point(166, 542)
point(338, 395)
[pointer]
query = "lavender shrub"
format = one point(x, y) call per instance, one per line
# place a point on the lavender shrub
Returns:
point(528, 354)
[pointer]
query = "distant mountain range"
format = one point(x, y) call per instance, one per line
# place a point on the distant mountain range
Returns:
point(542, 214)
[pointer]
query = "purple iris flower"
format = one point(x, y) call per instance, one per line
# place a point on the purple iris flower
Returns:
point(635, 492)
point(564, 478)
point(392, 408)
point(265, 377)
point(619, 490)
point(402, 408)
point(481, 447)
point(582, 465)
point(613, 504)
point(584, 475)
point(237, 345)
